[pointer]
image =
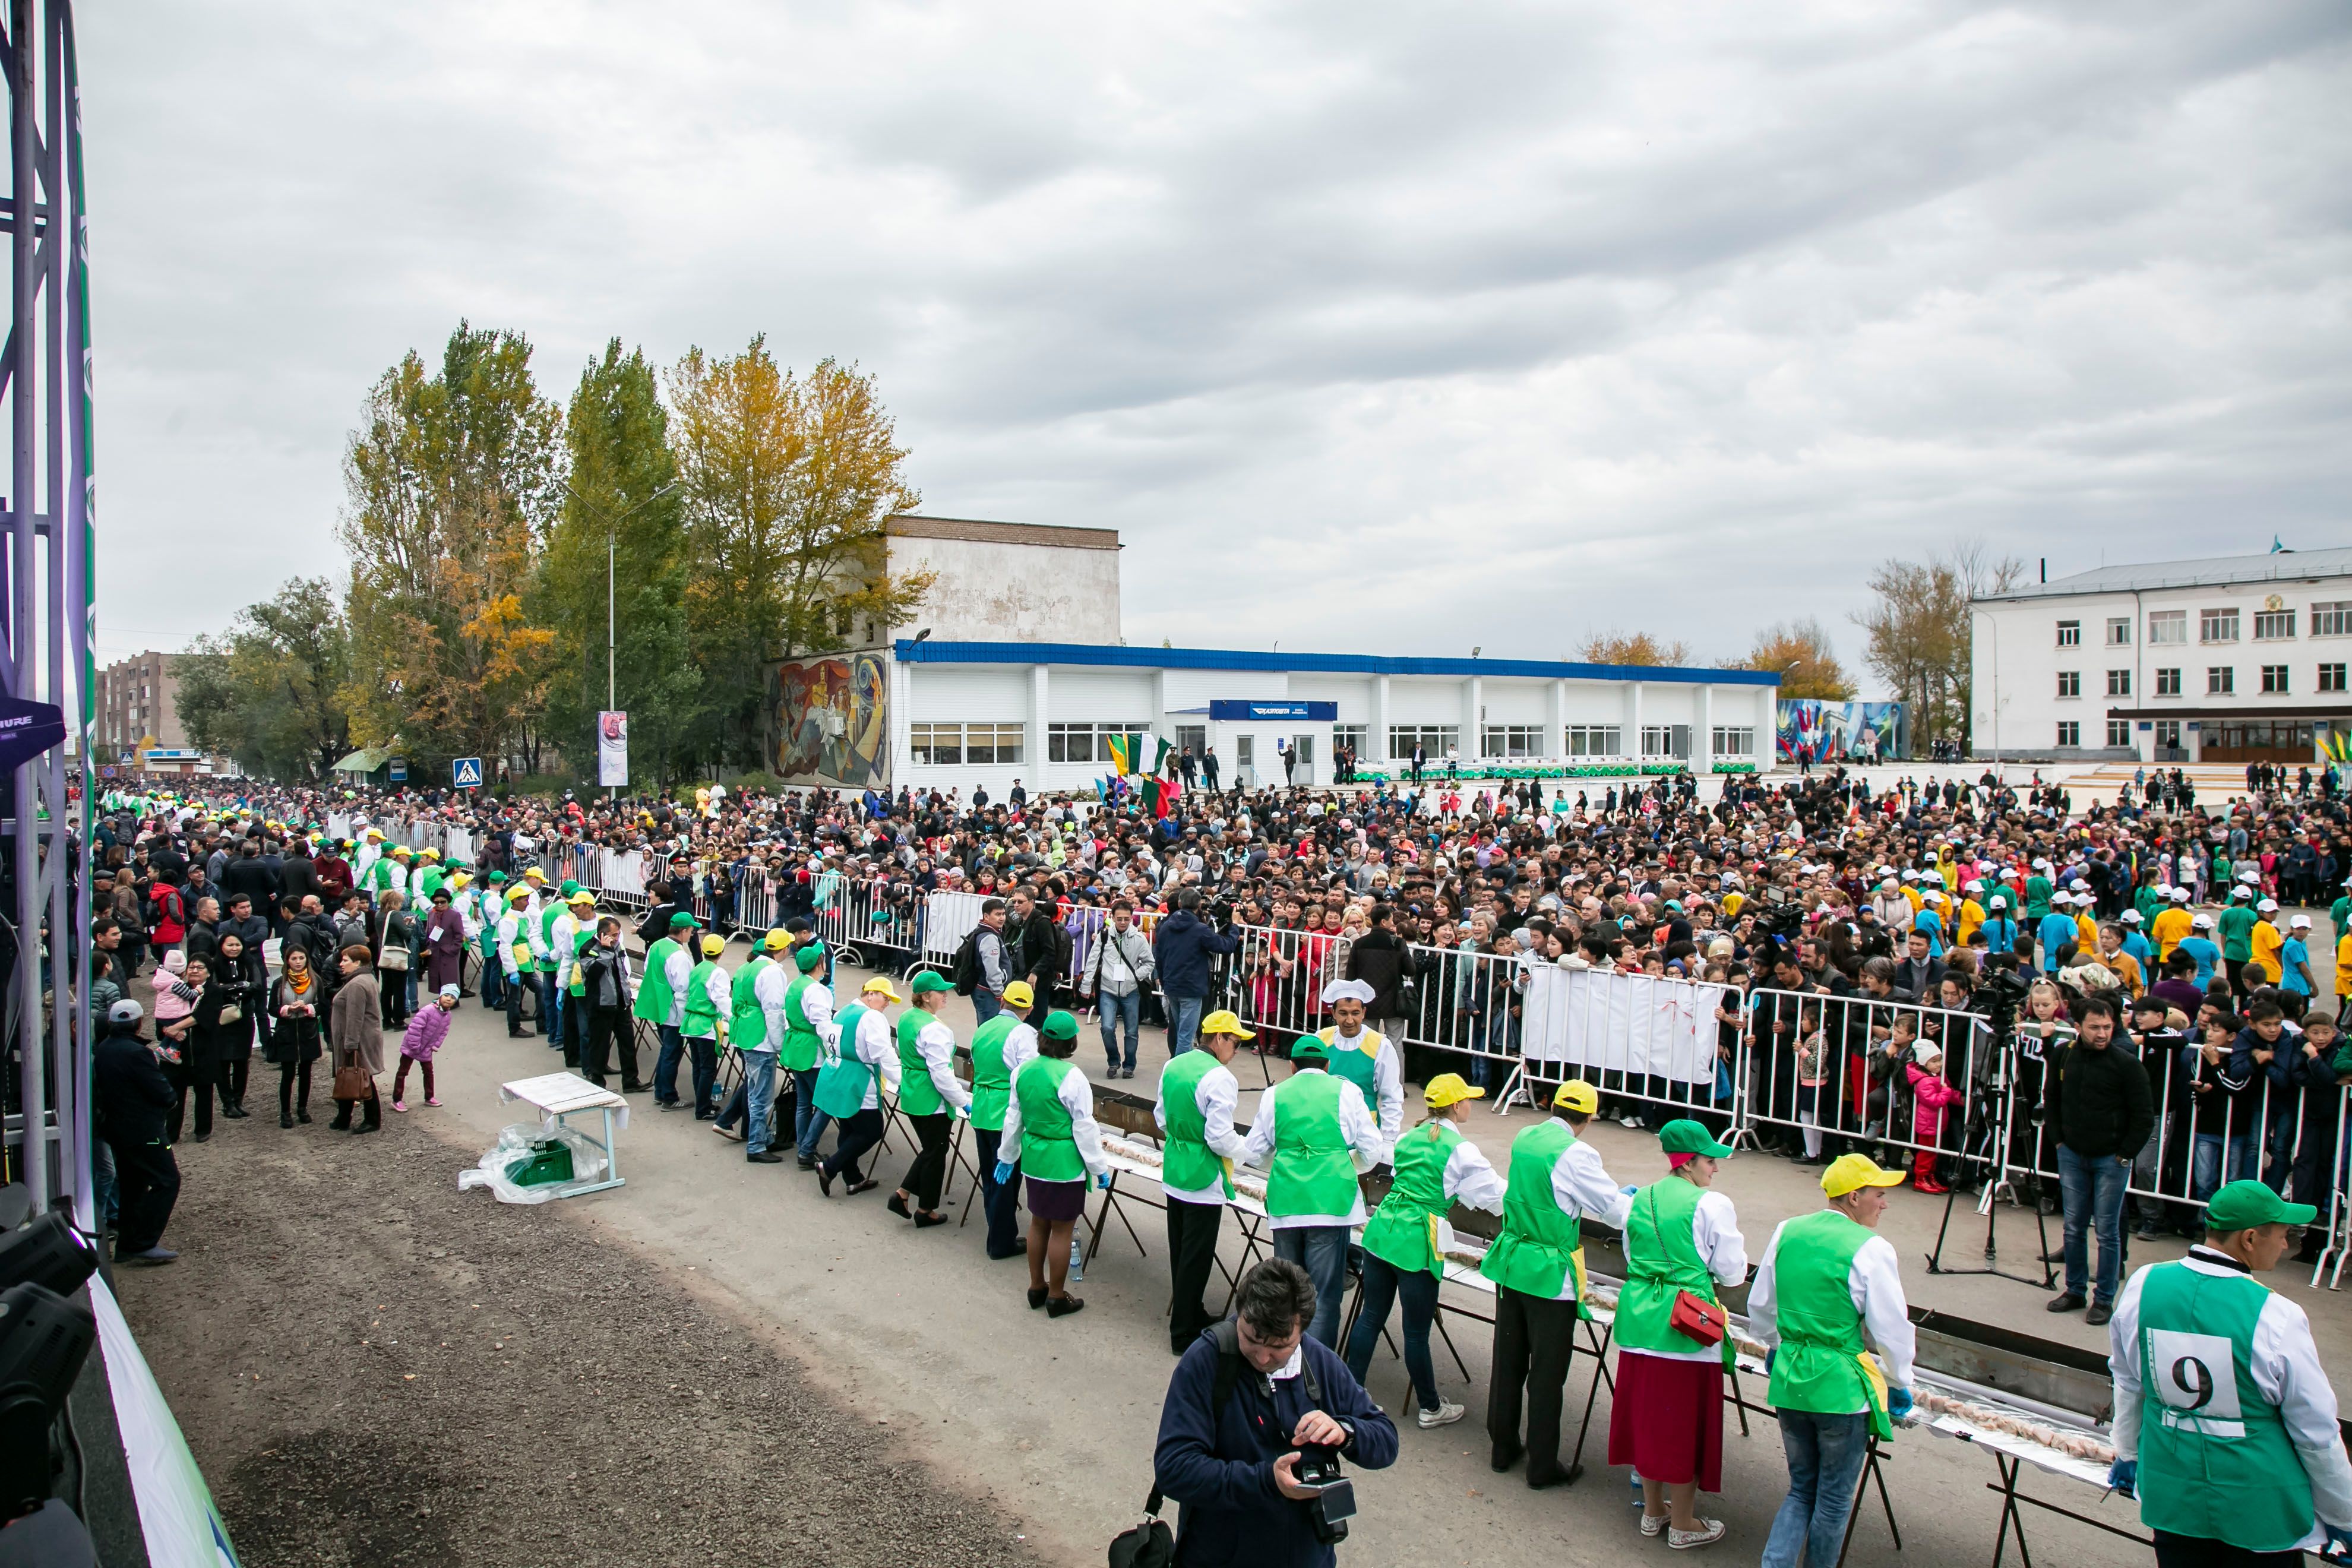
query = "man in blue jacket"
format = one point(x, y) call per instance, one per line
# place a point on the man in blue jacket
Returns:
point(1182, 949)
point(1233, 1464)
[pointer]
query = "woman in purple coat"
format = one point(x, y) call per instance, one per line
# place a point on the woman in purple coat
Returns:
point(444, 944)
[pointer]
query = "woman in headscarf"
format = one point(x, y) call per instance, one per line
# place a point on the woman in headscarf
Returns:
point(444, 941)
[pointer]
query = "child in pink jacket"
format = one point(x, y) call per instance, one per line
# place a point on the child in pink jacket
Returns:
point(427, 1028)
point(1930, 1095)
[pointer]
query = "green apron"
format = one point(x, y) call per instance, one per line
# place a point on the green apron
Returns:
point(803, 1046)
point(1402, 1231)
point(1662, 1259)
point(1049, 1149)
point(917, 1095)
point(1313, 1171)
point(1819, 1365)
point(1540, 1244)
point(991, 1080)
point(841, 1082)
point(747, 1021)
point(1186, 1163)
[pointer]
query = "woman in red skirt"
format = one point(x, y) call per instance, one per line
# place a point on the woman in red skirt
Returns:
point(1667, 1420)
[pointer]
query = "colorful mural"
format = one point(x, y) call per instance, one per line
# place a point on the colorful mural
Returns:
point(1843, 732)
point(829, 721)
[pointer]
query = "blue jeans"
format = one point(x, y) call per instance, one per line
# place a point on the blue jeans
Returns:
point(1322, 1251)
point(759, 1084)
point(1116, 1011)
point(2206, 1164)
point(985, 1004)
point(673, 1051)
point(494, 984)
point(2094, 1194)
point(998, 1202)
point(1383, 1284)
point(808, 1122)
point(1184, 1029)
point(554, 996)
point(1826, 1456)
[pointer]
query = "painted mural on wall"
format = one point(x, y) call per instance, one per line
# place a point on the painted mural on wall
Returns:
point(1843, 731)
point(829, 721)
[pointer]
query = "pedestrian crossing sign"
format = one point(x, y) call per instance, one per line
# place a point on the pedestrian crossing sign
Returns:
point(467, 772)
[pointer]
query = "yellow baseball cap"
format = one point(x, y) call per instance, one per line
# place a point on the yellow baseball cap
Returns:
point(1019, 995)
point(583, 897)
point(881, 983)
point(1447, 1088)
point(1226, 1021)
point(1578, 1096)
point(1851, 1173)
point(713, 945)
point(777, 941)
point(533, 874)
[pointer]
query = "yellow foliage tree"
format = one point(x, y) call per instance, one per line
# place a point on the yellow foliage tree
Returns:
point(1614, 647)
point(1800, 652)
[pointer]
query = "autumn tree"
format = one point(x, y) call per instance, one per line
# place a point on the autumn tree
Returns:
point(451, 483)
point(1920, 627)
point(1801, 653)
point(268, 691)
point(787, 482)
point(1614, 647)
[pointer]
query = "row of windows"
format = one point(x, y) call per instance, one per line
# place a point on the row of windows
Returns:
point(955, 746)
point(2221, 680)
point(2329, 618)
point(2258, 732)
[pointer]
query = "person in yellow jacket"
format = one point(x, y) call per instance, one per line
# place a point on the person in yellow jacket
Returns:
point(2171, 925)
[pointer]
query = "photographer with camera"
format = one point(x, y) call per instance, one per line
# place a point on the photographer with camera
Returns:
point(1256, 1421)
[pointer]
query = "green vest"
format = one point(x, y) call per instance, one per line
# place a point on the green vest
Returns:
point(1535, 1251)
point(428, 882)
point(2215, 1460)
point(841, 1082)
point(991, 1080)
point(1353, 1062)
point(1404, 1230)
point(1660, 1260)
point(1186, 1163)
point(1819, 1367)
point(917, 1095)
point(1313, 1170)
point(1049, 1152)
point(802, 1044)
point(747, 1021)
point(701, 1013)
point(654, 998)
point(576, 972)
point(547, 919)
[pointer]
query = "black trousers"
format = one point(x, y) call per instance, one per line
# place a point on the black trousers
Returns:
point(608, 1026)
point(148, 1181)
point(199, 1077)
point(2195, 1552)
point(1192, 1252)
point(929, 1170)
point(1535, 1340)
point(856, 1135)
point(288, 1076)
point(235, 1072)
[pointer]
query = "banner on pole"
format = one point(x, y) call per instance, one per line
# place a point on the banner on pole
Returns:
point(612, 749)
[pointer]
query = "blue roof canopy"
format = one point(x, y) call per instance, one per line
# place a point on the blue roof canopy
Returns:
point(930, 652)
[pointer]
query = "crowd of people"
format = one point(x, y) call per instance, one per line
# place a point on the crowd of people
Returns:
point(2124, 985)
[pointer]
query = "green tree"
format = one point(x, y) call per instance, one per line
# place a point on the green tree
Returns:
point(622, 489)
point(269, 691)
point(451, 484)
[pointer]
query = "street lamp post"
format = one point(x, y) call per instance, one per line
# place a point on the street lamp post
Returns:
point(612, 551)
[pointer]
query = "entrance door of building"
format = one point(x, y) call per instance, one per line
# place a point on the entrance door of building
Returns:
point(1246, 761)
point(2257, 741)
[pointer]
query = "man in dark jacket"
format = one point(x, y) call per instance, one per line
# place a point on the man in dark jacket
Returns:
point(241, 922)
point(133, 1103)
point(1032, 942)
point(1182, 948)
point(1382, 962)
point(2101, 1106)
point(246, 875)
point(297, 874)
point(1232, 1463)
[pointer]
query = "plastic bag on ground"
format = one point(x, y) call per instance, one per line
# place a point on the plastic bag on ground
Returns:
point(515, 1144)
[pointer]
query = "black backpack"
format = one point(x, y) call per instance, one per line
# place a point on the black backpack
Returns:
point(965, 971)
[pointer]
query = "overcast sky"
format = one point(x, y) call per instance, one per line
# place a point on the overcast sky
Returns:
point(1371, 326)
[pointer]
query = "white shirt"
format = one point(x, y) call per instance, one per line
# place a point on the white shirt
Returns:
point(876, 1045)
point(1077, 1097)
point(715, 986)
point(816, 1004)
point(510, 926)
point(1471, 1178)
point(935, 1043)
point(1216, 1094)
point(1876, 1283)
point(1582, 1187)
point(1365, 1144)
point(2286, 1370)
point(1715, 1227)
point(675, 969)
point(1388, 1083)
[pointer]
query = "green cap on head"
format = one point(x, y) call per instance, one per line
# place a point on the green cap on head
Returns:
point(1684, 1136)
point(1308, 1045)
point(1058, 1025)
point(810, 956)
point(568, 888)
point(2242, 1205)
point(681, 921)
point(931, 980)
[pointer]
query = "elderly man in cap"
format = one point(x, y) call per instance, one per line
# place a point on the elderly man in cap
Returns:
point(1554, 1179)
point(1315, 1135)
point(1198, 1096)
point(1829, 1290)
point(1363, 1055)
point(2225, 1424)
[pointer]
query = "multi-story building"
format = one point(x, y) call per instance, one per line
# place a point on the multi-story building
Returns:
point(138, 717)
point(2233, 659)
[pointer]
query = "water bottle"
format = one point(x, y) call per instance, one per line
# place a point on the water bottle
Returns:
point(1078, 1257)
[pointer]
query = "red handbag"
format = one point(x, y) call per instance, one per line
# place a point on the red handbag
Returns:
point(1702, 1320)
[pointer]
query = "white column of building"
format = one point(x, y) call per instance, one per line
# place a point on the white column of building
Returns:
point(1473, 699)
point(1633, 720)
point(1034, 753)
point(902, 719)
point(1376, 746)
point(1556, 720)
point(1703, 743)
point(1768, 721)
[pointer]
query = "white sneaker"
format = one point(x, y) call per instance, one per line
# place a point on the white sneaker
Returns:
point(1709, 1532)
point(1652, 1526)
point(1632, 1121)
point(1445, 1414)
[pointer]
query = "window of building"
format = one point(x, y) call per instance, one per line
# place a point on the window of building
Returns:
point(2168, 626)
point(2216, 625)
point(2070, 634)
point(2070, 683)
point(2221, 680)
point(1507, 741)
point(1356, 735)
point(2118, 731)
point(2168, 683)
point(1595, 741)
point(1734, 740)
point(2331, 678)
point(2070, 732)
point(2168, 734)
point(1193, 737)
point(2118, 631)
point(2120, 683)
point(1666, 740)
point(935, 745)
point(2271, 626)
point(993, 744)
point(2332, 619)
point(1433, 738)
point(2274, 679)
point(1069, 742)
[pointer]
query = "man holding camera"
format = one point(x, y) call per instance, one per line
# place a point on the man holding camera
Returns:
point(1257, 1420)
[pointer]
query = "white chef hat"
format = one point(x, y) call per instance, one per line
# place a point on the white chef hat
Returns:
point(1347, 991)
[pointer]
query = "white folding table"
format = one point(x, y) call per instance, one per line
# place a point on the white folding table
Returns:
point(558, 1095)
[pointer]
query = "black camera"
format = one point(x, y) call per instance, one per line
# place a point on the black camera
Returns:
point(1334, 1502)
